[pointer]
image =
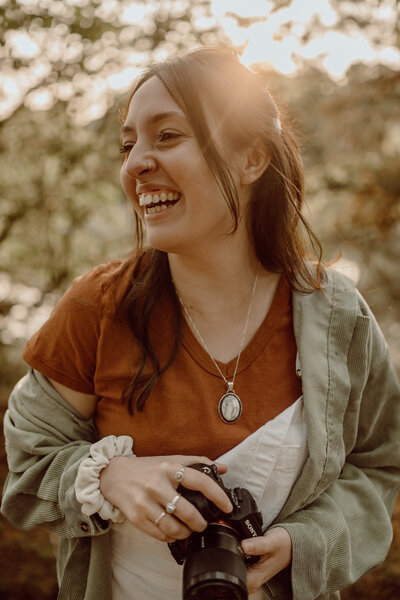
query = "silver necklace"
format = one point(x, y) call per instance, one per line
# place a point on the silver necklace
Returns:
point(230, 405)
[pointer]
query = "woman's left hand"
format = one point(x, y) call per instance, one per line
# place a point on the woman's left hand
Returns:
point(275, 551)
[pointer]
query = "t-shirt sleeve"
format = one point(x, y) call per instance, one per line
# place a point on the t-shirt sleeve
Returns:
point(65, 347)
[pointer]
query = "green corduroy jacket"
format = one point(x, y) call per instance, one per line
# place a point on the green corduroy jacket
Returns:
point(339, 510)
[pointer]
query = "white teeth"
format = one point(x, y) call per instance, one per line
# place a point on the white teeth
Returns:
point(146, 199)
point(156, 209)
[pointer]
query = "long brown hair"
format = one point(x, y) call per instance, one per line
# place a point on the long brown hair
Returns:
point(246, 114)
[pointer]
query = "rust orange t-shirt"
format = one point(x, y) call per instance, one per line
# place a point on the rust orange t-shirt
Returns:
point(86, 346)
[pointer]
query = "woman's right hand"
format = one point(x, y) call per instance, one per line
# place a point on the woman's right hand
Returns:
point(141, 487)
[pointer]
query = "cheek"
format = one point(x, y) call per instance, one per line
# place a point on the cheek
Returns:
point(128, 184)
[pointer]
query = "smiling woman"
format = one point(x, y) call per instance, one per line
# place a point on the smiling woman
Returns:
point(219, 345)
point(163, 158)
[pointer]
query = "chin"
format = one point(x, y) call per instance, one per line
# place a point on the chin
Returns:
point(162, 244)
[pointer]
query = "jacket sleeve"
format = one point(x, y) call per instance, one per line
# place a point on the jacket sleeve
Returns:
point(46, 439)
point(346, 530)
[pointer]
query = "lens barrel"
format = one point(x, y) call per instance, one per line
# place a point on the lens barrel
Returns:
point(214, 567)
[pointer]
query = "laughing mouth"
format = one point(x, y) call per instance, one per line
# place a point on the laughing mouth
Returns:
point(158, 201)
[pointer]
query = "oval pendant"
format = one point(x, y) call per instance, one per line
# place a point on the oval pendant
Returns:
point(230, 407)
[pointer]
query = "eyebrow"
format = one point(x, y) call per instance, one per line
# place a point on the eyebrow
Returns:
point(155, 119)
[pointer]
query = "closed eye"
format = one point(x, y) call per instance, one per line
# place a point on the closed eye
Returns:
point(126, 148)
point(167, 135)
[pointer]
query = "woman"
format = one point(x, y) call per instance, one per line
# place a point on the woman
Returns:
point(223, 341)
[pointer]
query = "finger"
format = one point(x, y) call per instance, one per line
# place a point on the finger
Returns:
point(149, 527)
point(257, 576)
point(196, 480)
point(222, 468)
point(256, 546)
point(187, 513)
point(163, 527)
point(155, 531)
point(275, 540)
point(173, 528)
point(188, 461)
point(172, 525)
point(261, 572)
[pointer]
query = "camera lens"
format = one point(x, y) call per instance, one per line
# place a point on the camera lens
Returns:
point(214, 566)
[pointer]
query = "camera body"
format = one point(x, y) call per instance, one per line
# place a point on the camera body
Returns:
point(215, 564)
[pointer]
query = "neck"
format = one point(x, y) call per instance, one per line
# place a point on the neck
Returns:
point(217, 297)
point(216, 287)
point(219, 284)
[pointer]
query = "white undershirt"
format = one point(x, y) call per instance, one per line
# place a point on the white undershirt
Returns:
point(267, 463)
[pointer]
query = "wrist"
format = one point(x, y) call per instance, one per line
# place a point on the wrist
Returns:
point(111, 474)
point(93, 471)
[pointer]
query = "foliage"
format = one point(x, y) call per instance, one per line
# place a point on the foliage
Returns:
point(70, 50)
point(61, 201)
point(353, 161)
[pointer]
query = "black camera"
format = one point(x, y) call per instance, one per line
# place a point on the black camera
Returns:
point(214, 562)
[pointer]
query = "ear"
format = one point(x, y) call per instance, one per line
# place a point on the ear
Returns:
point(256, 160)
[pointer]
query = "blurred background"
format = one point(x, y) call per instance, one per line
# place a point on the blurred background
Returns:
point(65, 69)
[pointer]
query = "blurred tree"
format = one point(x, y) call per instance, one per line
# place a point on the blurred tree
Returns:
point(61, 200)
point(352, 152)
point(71, 50)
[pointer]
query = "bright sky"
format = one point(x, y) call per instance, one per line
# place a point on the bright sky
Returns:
point(336, 51)
point(332, 49)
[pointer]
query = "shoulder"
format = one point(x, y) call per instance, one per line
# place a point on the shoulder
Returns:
point(343, 292)
point(340, 292)
point(341, 310)
point(337, 282)
point(337, 290)
point(101, 288)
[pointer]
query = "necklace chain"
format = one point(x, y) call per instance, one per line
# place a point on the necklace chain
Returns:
point(228, 383)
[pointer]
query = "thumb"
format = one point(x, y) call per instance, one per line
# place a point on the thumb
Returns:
point(255, 546)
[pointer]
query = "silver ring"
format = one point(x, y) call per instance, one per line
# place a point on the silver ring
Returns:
point(171, 506)
point(179, 474)
point(160, 517)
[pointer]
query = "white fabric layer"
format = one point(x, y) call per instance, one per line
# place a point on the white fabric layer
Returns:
point(87, 483)
point(267, 463)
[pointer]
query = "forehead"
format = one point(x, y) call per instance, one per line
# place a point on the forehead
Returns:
point(152, 102)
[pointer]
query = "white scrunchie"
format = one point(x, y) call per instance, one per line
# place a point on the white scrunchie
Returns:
point(87, 483)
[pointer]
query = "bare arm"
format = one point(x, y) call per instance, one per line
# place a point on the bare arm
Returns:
point(84, 404)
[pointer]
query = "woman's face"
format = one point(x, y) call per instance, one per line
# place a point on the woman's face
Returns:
point(166, 177)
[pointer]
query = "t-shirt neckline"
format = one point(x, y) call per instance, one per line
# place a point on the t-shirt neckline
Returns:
point(255, 346)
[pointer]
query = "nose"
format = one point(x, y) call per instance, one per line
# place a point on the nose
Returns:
point(138, 163)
